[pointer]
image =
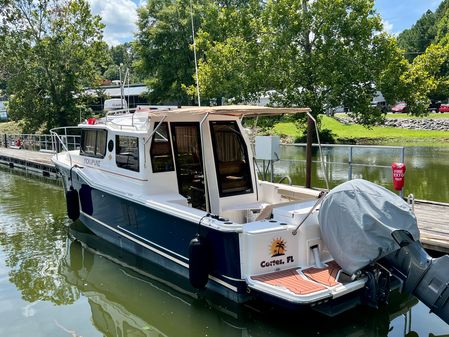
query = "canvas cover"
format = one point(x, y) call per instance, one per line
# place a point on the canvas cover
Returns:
point(357, 219)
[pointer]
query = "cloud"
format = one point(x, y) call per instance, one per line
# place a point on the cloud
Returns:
point(119, 16)
point(388, 26)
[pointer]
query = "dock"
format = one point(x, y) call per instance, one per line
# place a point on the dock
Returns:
point(37, 162)
point(433, 223)
point(433, 217)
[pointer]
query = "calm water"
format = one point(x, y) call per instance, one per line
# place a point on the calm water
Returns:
point(427, 175)
point(51, 285)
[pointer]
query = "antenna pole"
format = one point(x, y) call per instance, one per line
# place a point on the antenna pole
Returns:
point(194, 54)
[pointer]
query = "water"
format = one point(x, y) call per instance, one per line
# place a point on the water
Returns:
point(51, 285)
point(427, 175)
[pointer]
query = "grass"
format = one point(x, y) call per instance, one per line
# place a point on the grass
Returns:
point(376, 135)
point(10, 127)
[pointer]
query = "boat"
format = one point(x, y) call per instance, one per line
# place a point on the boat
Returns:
point(179, 187)
point(124, 298)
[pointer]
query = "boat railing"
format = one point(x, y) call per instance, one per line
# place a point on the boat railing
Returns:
point(64, 140)
point(118, 112)
point(109, 118)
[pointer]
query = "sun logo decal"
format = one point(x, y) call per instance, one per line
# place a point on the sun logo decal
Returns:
point(278, 247)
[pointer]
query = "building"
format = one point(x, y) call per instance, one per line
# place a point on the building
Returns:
point(134, 95)
point(3, 111)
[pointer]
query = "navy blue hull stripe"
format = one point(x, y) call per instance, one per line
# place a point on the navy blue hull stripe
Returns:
point(152, 243)
point(158, 251)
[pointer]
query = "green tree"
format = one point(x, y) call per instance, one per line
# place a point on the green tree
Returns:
point(51, 51)
point(123, 57)
point(163, 46)
point(319, 54)
point(414, 41)
point(426, 45)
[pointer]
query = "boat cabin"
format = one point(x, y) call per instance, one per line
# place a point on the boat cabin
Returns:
point(199, 157)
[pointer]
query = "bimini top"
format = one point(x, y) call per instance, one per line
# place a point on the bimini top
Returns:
point(228, 110)
point(138, 120)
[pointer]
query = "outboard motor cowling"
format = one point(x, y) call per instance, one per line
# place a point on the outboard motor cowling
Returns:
point(357, 219)
point(363, 223)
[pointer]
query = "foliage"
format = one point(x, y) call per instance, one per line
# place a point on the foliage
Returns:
point(163, 48)
point(123, 56)
point(51, 51)
point(319, 54)
point(326, 137)
point(426, 43)
point(233, 66)
point(416, 39)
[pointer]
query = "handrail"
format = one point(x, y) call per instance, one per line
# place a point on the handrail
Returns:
point(56, 137)
point(286, 177)
point(351, 149)
point(36, 142)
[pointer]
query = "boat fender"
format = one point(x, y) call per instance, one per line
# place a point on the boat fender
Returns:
point(73, 206)
point(198, 262)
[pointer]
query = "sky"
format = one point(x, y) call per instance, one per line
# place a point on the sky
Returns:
point(120, 16)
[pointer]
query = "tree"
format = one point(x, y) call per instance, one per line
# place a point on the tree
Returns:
point(426, 45)
point(163, 46)
point(51, 51)
point(416, 39)
point(123, 56)
point(319, 54)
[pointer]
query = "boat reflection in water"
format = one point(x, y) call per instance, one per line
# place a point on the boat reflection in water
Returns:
point(130, 297)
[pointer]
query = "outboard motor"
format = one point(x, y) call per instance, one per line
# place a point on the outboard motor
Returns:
point(423, 276)
point(363, 223)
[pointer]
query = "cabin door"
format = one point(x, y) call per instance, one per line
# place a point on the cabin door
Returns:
point(189, 163)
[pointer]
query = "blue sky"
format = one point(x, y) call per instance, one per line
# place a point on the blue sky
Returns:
point(402, 14)
point(120, 16)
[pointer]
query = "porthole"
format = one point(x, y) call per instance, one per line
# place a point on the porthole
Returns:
point(110, 145)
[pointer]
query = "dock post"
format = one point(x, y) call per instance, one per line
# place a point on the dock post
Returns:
point(5, 139)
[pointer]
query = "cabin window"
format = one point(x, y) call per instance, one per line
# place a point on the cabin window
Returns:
point(231, 159)
point(93, 143)
point(160, 152)
point(127, 152)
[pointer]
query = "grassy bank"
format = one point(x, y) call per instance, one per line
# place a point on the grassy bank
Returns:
point(10, 127)
point(375, 135)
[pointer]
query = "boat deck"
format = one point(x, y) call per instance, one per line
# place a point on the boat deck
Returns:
point(307, 281)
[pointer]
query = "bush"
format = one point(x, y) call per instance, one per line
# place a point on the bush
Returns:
point(326, 137)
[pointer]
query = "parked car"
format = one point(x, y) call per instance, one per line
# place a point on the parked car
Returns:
point(434, 106)
point(382, 106)
point(444, 108)
point(400, 107)
point(379, 102)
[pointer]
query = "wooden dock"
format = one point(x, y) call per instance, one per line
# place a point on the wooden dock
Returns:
point(433, 222)
point(433, 217)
